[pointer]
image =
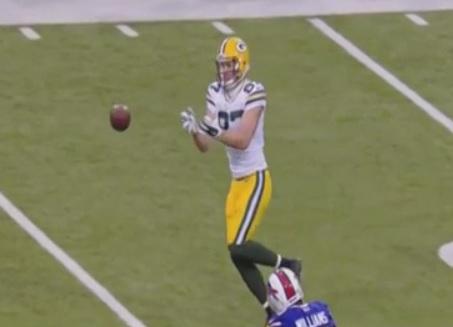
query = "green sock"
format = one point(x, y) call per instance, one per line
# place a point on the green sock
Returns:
point(252, 278)
point(255, 252)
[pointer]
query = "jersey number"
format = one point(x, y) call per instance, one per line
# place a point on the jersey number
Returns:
point(225, 118)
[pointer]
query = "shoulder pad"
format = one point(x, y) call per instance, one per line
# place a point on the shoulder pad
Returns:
point(319, 304)
point(252, 86)
point(213, 88)
point(256, 95)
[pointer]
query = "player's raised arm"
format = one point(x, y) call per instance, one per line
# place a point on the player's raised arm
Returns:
point(241, 137)
point(202, 141)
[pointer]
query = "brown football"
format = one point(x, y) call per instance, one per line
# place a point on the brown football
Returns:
point(120, 117)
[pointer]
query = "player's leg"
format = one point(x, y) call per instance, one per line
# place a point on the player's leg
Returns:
point(246, 205)
point(245, 212)
point(235, 211)
point(253, 195)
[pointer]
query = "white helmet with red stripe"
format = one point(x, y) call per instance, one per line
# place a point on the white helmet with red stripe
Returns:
point(284, 290)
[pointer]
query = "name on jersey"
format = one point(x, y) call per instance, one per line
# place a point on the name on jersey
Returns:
point(315, 320)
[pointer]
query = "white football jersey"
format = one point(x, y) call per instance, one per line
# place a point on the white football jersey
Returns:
point(229, 111)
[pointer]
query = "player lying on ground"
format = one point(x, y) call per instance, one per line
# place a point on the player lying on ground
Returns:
point(235, 108)
point(286, 298)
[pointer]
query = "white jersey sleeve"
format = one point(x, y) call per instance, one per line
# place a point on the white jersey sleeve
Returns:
point(256, 96)
point(212, 94)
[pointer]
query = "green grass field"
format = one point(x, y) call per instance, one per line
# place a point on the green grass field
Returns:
point(362, 178)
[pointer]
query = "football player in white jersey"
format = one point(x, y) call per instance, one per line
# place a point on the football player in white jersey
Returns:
point(235, 109)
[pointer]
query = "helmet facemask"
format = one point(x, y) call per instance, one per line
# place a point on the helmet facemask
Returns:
point(228, 72)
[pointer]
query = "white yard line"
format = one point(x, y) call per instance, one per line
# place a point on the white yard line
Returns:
point(446, 253)
point(70, 264)
point(391, 79)
point(223, 28)
point(417, 20)
point(30, 33)
point(127, 30)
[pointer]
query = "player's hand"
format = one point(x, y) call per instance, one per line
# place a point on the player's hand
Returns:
point(210, 126)
point(189, 121)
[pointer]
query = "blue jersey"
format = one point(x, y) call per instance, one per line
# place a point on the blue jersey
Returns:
point(311, 314)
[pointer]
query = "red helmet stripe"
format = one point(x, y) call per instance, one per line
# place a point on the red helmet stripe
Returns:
point(290, 292)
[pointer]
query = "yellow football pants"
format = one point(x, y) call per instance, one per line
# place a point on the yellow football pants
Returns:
point(246, 204)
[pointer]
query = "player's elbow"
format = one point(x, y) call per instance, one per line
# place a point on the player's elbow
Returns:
point(201, 143)
point(202, 146)
point(243, 144)
point(203, 149)
point(243, 139)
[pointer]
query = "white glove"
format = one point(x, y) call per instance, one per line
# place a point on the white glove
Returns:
point(189, 121)
point(210, 126)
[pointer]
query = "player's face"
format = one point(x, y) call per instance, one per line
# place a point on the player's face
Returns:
point(226, 70)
